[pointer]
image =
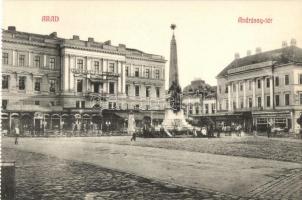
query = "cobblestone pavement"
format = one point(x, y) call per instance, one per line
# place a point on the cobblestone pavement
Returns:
point(286, 185)
point(40, 176)
point(249, 177)
point(249, 146)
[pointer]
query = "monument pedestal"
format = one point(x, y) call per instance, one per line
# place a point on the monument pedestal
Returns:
point(175, 121)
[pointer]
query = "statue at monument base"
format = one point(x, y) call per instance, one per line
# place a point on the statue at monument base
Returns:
point(175, 121)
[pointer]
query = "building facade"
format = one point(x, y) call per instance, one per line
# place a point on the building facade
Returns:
point(263, 88)
point(49, 82)
point(199, 99)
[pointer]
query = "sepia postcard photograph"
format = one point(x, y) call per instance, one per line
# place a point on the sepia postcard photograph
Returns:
point(151, 100)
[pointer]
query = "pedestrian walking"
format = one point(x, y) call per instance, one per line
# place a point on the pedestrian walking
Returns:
point(133, 138)
point(17, 134)
point(268, 130)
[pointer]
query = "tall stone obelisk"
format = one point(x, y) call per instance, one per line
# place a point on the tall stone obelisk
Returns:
point(174, 88)
point(174, 116)
point(173, 68)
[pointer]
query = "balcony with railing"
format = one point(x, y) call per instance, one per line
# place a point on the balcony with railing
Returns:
point(93, 96)
point(94, 73)
point(145, 80)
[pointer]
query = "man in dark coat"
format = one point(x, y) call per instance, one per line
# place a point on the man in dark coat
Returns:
point(268, 130)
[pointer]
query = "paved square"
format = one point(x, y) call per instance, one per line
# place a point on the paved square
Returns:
point(190, 162)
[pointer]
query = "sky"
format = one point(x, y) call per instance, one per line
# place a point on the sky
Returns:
point(208, 33)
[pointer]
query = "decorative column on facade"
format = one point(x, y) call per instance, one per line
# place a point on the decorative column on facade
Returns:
point(65, 73)
point(87, 85)
point(119, 79)
point(105, 87)
point(13, 82)
point(254, 92)
point(92, 88)
point(30, 80)
point(72, 65)
point(229, 98)
point(44, 61)
point(86, 67)
point(237, 95)
point(123, 76)
point(14, 58)
point(105, 65)
point(105, 69)
point(44, 84)
point(271, 92)
point(29, 58)
point(244, 94)
point(262, 92)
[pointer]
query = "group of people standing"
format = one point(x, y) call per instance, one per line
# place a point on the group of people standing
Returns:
point(85, 127)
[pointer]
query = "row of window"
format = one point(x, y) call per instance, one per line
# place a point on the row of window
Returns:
point(80, 65)
point(206, 109)
point(148, 91)
point(52, 86)
point(51, 103)
point(111, 68)
point(97, 67)
point(147, 73)
point(21, 83)
point(21, 61)
point(99, 87)
point(259, 101)
point(268, 82)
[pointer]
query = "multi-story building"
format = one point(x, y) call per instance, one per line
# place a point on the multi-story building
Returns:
point(199, 99)
point(263, 88)
point(51, 81)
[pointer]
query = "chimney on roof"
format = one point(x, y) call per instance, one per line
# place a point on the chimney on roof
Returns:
point(11, 28)
point(284, 44)
point(75, 37)
point(248, 52)
point(90, 39)
point(53, 34)
point(293, 42)
point(258, 50)
point(108, 42)
point(122, 46)
point(237, 55)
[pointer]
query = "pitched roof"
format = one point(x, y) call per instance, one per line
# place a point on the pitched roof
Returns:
point(282, 56)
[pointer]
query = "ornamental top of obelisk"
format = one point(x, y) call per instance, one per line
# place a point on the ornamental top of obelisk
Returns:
point(173, 68)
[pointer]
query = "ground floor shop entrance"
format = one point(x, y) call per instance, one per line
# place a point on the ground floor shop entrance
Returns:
point(75, 122)
point(227, 121)
point(279, 120)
